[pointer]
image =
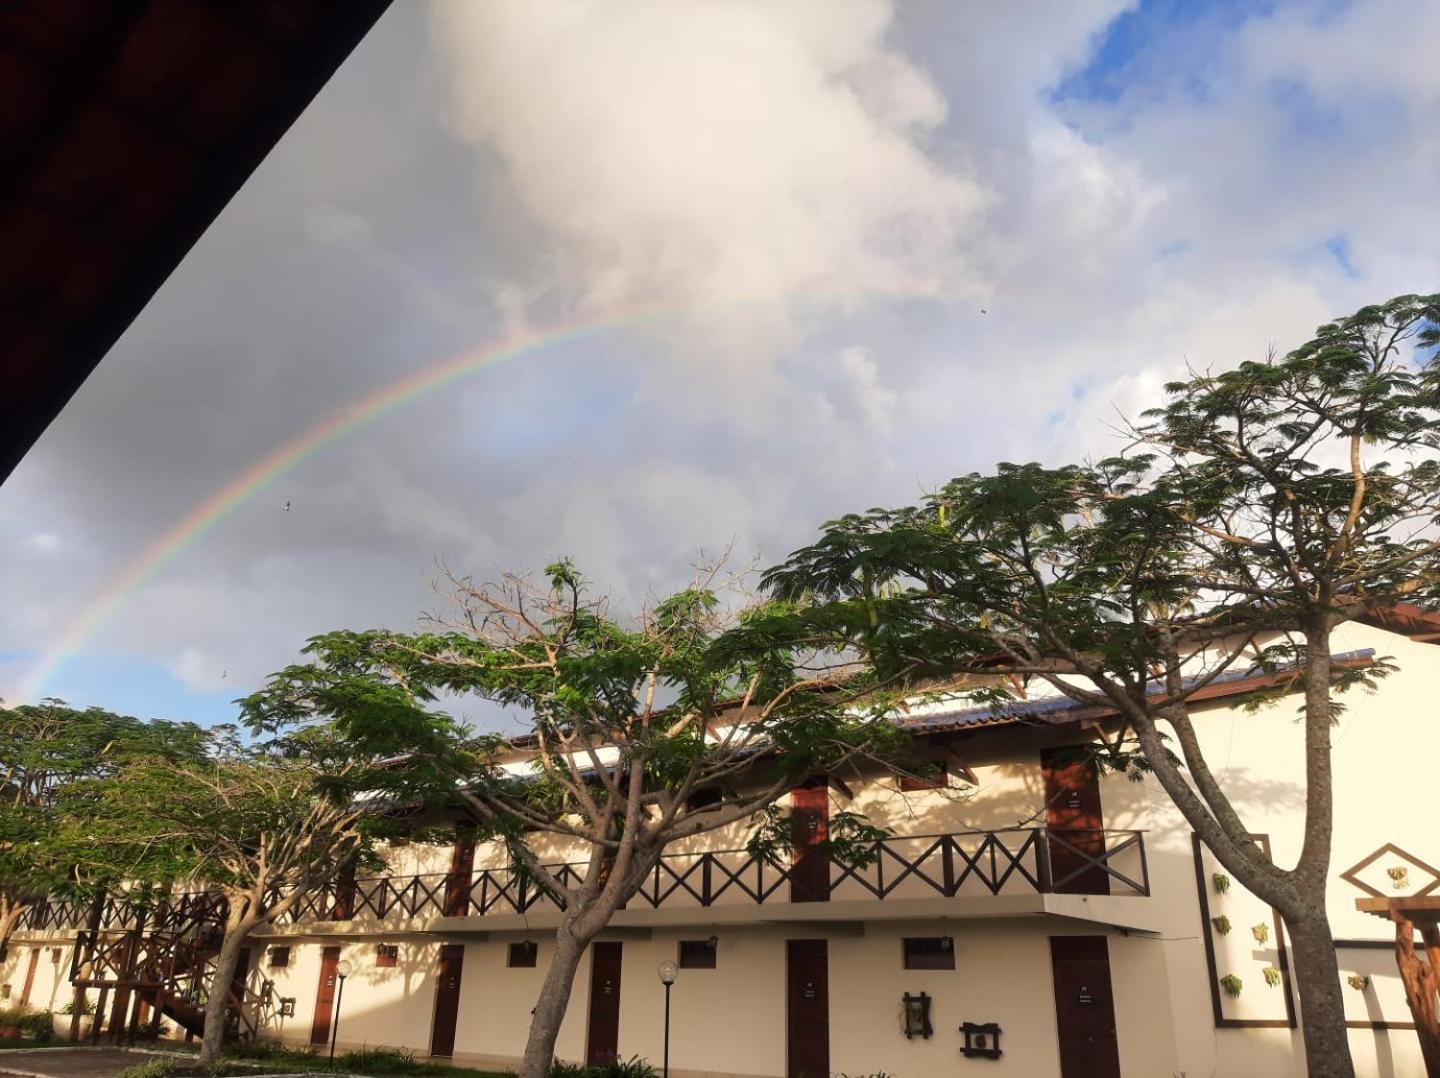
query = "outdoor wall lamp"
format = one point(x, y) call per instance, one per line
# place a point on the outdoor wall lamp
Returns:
point(287, 1006)
point(916, 1012)
point(982, 1041)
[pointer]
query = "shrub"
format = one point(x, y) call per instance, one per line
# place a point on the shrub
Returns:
point(378, 1060)
point(634, 1067)
point(155, 1068)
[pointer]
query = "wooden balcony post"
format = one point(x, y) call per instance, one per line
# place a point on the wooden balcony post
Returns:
point(1042, 861)
point(947, 863)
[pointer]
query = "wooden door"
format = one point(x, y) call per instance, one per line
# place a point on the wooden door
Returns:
point(325, 996)
point(1084, 1007)
point(810, 821)
point(447, 999)
point(807, 1025)
point(602, 1041)
point(29, 977)
point(1074, 815)
point(462, 873)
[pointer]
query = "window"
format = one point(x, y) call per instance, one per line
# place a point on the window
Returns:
point(933, 776)
point(698, 954)
point(279, 957)
point(387, 955)
point(929, 952)
point(522, 955)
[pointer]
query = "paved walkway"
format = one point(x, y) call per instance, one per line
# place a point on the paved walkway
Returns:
point(68, 1062)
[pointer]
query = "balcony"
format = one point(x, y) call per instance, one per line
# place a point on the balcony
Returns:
point(1018, 871)
point(977, 864)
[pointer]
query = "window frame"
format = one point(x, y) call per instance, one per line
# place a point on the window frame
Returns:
point(942, 958)
point(525, 949)
point(698, 954)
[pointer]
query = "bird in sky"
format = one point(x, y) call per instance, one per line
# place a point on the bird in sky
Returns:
point(287, 507)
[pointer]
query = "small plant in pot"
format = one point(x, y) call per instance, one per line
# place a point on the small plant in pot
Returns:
point(1221, 882)
point(1272, 976)
point(1222, 924)
point(11, 1024)
point(1232, 985)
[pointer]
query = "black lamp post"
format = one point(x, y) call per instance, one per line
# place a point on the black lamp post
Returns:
point(668, 971)
point(342, 970)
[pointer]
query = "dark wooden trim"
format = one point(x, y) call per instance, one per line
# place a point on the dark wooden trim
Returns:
point(1221, 1022)
point(1350, 874)
point(1380, 1025)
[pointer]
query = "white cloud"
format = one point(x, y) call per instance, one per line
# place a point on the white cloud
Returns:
point(45, 542)
point(688, 152)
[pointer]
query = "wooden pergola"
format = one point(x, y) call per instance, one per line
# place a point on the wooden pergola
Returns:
point(1419, 972)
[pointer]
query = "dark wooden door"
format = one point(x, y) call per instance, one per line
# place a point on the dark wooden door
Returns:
point(810, 821)
point(1084, 1007)
point(807, 1028)
point(1077, 822)
point(29, 977)
point(325, 996)
point(447, 999)
point(602, 1041)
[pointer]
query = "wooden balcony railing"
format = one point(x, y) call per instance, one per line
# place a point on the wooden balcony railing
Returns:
point(965, 864)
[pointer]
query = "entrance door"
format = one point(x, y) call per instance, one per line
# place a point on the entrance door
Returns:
point(1072, 811)
point(602, 1042)
point(1084, 1007)
point(447, 999)
point(810, 821)
point(29, 978)
point(325, 996)
point(807, 1035)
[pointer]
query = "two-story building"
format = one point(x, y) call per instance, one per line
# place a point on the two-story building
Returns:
point(1028, 917)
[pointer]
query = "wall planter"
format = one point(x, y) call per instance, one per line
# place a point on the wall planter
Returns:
point(1222, 924)
point(1221, 882)
point(1272, 976)
point(1261, 932)
point(1357, 982)
point(1232, 985)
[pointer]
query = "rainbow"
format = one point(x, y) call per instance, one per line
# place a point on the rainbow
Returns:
point(210, 513)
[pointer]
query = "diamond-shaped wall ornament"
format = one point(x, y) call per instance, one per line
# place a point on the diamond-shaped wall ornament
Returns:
point(1391, 872)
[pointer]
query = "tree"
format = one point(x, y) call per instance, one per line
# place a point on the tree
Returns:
point(1255, 512)
point(628, 721)
point(263, 825)
point(44, 749)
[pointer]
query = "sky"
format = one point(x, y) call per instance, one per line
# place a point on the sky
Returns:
point(756, 262)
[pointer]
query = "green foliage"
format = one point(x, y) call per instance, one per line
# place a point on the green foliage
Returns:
point(48, 751)
point(634, 1067)
point(1272, 976)
point(1232, 984)
point(1222, 924)
point(156, 1068)
point(380, 1060)
point(1221, 882)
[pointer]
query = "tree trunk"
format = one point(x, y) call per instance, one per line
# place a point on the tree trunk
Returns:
point(1422, 986)
point(217, 1004)
point(10, 914)
point(554, 999)
point(1322, 1004)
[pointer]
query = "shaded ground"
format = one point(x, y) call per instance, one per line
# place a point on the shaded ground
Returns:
point(70, 1062)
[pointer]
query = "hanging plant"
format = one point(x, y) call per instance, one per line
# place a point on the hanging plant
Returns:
point(1221, 882)
point(1272, 976)
point(1222, 924)
point(1232, 985)
point(1261, 932)
point(1357, 982)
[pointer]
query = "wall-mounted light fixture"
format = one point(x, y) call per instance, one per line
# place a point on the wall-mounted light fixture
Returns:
point(916, 1016)
point(982, 1040)
point(287, 1006)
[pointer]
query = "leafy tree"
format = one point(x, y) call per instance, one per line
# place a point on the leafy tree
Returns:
point(628, 721)
point(45, 748)
point(264, 825)
point(1255, 512)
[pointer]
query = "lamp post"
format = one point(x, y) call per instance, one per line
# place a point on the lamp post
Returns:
point(342, 970)
point(668, 971)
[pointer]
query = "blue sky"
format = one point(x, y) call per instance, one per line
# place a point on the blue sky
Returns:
point(900, 241)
